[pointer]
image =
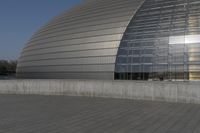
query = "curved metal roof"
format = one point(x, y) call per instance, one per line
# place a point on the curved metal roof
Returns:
point(80, 43)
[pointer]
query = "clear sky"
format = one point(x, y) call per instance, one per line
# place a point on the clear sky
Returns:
point(19, 19)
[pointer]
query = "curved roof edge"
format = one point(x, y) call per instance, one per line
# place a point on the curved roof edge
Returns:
point(81, 43)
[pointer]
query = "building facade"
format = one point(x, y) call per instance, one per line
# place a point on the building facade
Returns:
point(118, 39)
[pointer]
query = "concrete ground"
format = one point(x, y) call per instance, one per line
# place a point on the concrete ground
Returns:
point(63, 114)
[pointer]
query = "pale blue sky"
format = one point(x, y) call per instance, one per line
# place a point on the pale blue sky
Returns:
point(19, 19)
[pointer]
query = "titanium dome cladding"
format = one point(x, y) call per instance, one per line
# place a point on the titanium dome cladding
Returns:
point(80, 44)
point(118, 39)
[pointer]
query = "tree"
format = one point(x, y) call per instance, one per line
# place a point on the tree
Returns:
point(7, 67)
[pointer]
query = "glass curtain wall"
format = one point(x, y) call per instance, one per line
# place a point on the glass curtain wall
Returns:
point(162, 42)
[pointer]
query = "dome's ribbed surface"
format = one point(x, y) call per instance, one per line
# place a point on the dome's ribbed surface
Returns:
point(80, 43)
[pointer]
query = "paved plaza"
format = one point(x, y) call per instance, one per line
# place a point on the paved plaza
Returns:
point(63, 114)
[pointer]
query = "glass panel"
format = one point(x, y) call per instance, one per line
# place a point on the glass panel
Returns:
point(162, 42)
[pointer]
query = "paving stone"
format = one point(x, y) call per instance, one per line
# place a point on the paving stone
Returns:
point(64, 114)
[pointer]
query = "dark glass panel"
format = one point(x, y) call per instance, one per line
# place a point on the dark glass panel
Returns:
point(162, 42)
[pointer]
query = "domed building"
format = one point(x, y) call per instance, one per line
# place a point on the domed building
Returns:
point(118, 39)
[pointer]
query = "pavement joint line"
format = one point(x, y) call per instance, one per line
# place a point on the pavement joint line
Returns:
point(57, 114)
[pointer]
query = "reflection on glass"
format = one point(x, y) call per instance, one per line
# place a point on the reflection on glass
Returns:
point(162, 42)
point(187, 39)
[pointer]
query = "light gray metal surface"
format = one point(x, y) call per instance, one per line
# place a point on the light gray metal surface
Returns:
point(81, 43)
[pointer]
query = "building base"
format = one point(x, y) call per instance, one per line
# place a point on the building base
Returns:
point(184, 92)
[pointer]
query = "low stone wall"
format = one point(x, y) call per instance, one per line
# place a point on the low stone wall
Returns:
point(185, 92)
